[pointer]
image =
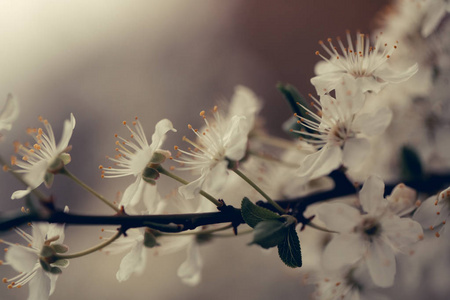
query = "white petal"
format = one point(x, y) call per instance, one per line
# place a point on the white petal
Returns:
point(53, 278)
point(427, 213)
point(190, 269)
point(69, 125)
point(321, 163)
point(370, 84)
point(381, 263)
point(373, 123)
point(133, 193)
point(401, 232)
point(22, 259)
point(338, 216)
point(371, 195)
point(39, 286)
point(133, 262)
point(388, 75)
point(20, 193)
point(245, 102)
point(161, 128)
point(326, 82)
point(217, 178)
point(344, 249)
point(355, 152)
point(235, 140)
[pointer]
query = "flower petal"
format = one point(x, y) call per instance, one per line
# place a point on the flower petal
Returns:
point(161, 128)
point(133, 262)
point(371, 195)
point(386, 74)
point(321, 163)
point(338, 216)
point(355, 152)
point(39, 286)
point(22, 259)
point(381, 263)
point(373, 123)
point(69, 126)
point(427, 213)
point(190, 270)
point(344, 249)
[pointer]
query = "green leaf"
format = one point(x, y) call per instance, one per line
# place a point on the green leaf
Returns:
point(294, 98)
point(150, 239)
point(61, 263)
point(60, 248)
point(411, 166)
point(289, 249)
point(269, 233)
point(253, 214)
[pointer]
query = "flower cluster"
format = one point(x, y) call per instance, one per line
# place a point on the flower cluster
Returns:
point(381, 114)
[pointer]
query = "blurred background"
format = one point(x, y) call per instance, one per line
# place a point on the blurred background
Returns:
point(108, 61)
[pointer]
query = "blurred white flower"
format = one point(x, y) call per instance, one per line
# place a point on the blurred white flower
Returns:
point(135, 241)
point(374, 237)
point(133, 157)
point(40, 161)
point(9, 113)
point(337, 128)
point(366, 64)
point(434, 212)
point(30, 261)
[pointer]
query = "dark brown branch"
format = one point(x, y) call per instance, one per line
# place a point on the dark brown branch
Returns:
point(181, 222)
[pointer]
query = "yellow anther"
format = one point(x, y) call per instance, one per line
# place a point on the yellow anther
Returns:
point(124, 122)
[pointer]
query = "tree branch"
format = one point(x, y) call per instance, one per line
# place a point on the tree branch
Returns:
point(182, 222)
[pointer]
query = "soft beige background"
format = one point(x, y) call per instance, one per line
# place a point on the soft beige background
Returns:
point(107, 61)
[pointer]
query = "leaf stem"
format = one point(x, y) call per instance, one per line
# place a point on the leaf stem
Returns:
point(88, 188)
point(90, 250)
point(259, 190)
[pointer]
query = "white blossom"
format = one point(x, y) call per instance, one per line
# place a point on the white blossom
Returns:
point(338, 130)
point(41, 160)
point(133, 156)
point(29, 261)
point(373, 237)
point(366, 64)
point(434, 212)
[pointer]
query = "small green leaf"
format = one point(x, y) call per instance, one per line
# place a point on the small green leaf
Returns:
point(411, 166)
point(253, 214)
point(55, 270)
point(269, 233)
point(60, 248)
point(294, 98)
point(289, 249)
point(150, 239)
point(47, 251)
point(61, 263)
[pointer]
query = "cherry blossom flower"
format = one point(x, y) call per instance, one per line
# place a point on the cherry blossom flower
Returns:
point(373, 237)
point(30, 261)
point(133, 157)
point(338, 130)
point(224, 139)
point(9, 113)
point(366, 64)
point(343, 284)
point(434, 212)
point(134, 242)
point(43, 159)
